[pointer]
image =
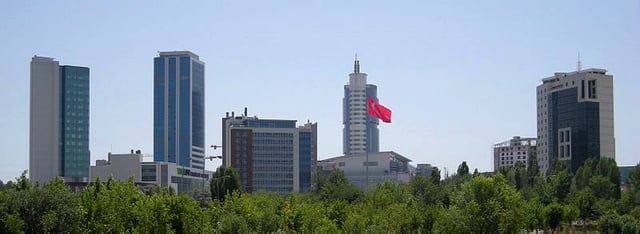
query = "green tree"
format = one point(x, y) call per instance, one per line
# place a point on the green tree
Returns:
point(425, 191)
point(224, 181)
point(560, 180)
point(30, 209)
point(338, 187)
point(611, 222)
point(554, 214)
point(463, 169)
point(533, 169)
point(633, 178)
point(584, 201)
point(491, 205)
point(601, 174)
point(435, 175)
point(108, 205)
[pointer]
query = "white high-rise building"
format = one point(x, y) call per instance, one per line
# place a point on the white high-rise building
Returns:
point(575, 118)
point(360, 133)
point(58, 121)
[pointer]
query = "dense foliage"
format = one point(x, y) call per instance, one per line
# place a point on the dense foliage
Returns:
point(511, 200)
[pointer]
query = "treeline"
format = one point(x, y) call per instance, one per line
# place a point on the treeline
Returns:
point(512, 200)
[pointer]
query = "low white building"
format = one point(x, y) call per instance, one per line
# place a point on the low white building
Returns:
point(508, 153)
point(163, 174)
point(377, 167)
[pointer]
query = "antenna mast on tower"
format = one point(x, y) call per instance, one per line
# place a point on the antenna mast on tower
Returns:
point(579, 63)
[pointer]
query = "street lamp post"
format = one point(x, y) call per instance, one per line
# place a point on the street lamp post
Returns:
point(211, 158)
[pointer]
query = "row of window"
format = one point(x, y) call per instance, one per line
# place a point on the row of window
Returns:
point(272, 175)
point(511, 153)
point(511, 158)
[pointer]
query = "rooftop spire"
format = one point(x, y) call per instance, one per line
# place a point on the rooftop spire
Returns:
point(579, 63)
point(356, 65)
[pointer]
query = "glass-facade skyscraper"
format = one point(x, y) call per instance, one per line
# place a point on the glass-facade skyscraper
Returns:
point(360, 133)
point(178, 109)
point(269, 154)
point(59, 121)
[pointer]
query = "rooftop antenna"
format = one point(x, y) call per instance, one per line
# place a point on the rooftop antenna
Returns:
point(579, 63)
point(356, 65)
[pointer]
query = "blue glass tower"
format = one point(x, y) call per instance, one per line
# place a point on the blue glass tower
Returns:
point(178, 109)
point(74, 158)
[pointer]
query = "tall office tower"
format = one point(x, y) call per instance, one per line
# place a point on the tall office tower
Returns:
point(509, 153)
point(575, 118)
point(360, 133)
point(178, 109)
point(58, 121)
point(270, 154)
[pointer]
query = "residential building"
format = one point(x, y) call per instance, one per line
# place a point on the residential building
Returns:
point(372, 167)
point(424, 169)
point(270, 154)
point(178, 109)
point(360, 133)
point(58, 121)
point(509, 153)
point(575, 118)
point(122, 167)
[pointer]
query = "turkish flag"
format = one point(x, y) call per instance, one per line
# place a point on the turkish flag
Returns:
point(378, 111)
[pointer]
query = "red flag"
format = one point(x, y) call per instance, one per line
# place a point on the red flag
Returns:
point(378, 111)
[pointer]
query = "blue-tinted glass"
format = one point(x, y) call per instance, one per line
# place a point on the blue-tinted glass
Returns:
point(198, 107)
point(372, 123)
point(271, 123)
point(158, 109)
point(171, 111)
point(185, 112)
point(582, 117)
point(305, 160)
point(74, 115)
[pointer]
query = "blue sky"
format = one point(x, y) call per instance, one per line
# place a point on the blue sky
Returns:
point(458, 75)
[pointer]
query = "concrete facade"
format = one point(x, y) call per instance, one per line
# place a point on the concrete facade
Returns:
point(184, 180)
point(380, 166)
point(44, 118)
point(509, 153)
point(575, 117)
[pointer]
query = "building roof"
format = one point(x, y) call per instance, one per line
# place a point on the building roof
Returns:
point(178, 53)
point(558, 75)
point(394, 154)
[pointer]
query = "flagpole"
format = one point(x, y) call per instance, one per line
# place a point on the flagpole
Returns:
point(366, 140)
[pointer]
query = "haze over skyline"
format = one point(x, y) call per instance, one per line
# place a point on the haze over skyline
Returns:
point(459, 77)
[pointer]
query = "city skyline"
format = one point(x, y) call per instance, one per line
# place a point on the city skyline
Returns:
point(454, 74)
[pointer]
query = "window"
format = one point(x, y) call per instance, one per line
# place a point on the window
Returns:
point(341, 164)
point(582, 89)
point(370, 163)
point(592, 89)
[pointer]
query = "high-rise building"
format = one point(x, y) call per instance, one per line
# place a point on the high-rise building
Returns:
point(178, 109)
point(509, 153)
point(575, 118)
point(58, 121)
point(270, 154)
point(360, 133)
